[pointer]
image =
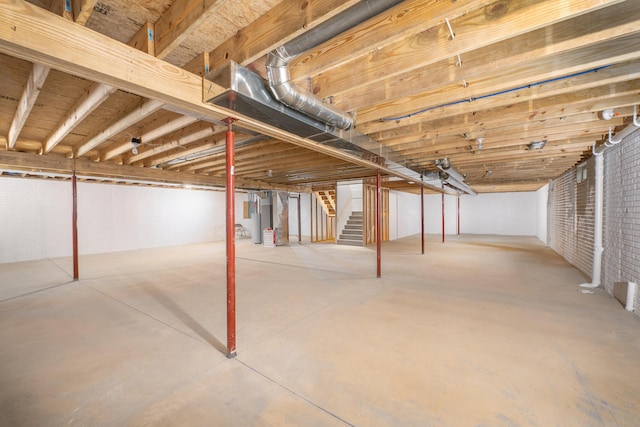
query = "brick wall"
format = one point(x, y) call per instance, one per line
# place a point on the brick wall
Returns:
point(571, 218)
point(621, 258)
point(572, 213)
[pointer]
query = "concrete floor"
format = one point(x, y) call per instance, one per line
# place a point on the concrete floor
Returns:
point(481, 331)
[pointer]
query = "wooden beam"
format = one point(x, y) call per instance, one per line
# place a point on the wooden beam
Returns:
point(28, 99)
point(33, 162)
point(284, 22)
point(145, 109)
point(180, 21)
point(82, 10)
point(29, 33)
point(63, 8)
point(151, 135)
point(243, 153)
point(514, 136)
point(553, 71)
point(84, 106)
point(144, 39)
point(472, 31)
point(392, 26)
point(177, 146)
point(179, 138)
point(528, 106)
point(554, 41)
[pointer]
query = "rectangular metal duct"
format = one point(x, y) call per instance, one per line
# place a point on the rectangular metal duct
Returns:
point(244, 91)
point(248, 95)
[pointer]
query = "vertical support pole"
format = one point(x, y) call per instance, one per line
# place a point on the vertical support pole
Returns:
point(458, 215)
point(311, 217)
point(74, 225)
point(231, 243)
point(442, 217)
point(422, 216)
point(299, 218)
point(378, 231)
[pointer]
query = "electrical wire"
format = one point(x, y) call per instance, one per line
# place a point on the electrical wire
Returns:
point(502, 92)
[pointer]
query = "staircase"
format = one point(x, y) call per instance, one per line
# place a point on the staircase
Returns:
point(352, 232)
point(327, 199)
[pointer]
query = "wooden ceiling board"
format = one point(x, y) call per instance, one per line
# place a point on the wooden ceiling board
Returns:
point(121, 19)
point(232, 16)
point(513, 71)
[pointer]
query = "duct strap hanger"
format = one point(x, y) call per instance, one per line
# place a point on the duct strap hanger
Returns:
point(453, 35)
point(459, 60)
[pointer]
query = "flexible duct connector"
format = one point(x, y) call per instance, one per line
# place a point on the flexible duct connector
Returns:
point(279, 77)
point(287, 92)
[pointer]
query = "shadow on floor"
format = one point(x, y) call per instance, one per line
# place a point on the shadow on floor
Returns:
point(184, 317)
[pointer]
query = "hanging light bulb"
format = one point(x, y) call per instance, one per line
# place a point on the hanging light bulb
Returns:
point(135, 142)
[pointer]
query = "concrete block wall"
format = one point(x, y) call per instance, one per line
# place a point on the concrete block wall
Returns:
point(572, 213)
point(35, 218)
point(571, 218)
point(621, 257)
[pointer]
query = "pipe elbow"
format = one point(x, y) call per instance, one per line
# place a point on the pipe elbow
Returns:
point(284, 90)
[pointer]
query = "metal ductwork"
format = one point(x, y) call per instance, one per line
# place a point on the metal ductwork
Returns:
point(279, 77)
point(281, 104)
point(452, 177)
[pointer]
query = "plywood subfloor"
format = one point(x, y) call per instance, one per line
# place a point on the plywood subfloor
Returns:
point(481, 331)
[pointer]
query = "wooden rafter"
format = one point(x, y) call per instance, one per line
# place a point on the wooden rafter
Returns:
point(151, 135)
point(28, 99)
point(143, 110)
point(85, 105)
point(180, 20)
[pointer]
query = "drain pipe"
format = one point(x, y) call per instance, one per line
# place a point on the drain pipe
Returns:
point(598, 249)
point(278, 75)
point(597, 233)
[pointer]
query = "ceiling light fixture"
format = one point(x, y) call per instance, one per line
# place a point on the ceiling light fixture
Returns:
point(479, 141)
point(537, 145)
point(135, 142)
point(608, 114)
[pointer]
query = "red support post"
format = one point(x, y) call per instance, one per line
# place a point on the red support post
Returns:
point(458, 215)
point(74, 225)
point(442, 217)
point(231, 243)
point(422, 216)
point(378, 231)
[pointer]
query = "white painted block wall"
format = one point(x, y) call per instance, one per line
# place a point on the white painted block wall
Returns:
point(507, 214)
point(35, 218)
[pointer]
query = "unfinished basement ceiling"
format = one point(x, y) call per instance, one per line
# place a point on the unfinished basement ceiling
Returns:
point(473, 81)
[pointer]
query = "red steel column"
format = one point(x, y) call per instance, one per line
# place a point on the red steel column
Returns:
point(378, 231)
point(422, 215)
point(442, 217)
point(74, 225)
point(458, 215)
point(231, 243)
